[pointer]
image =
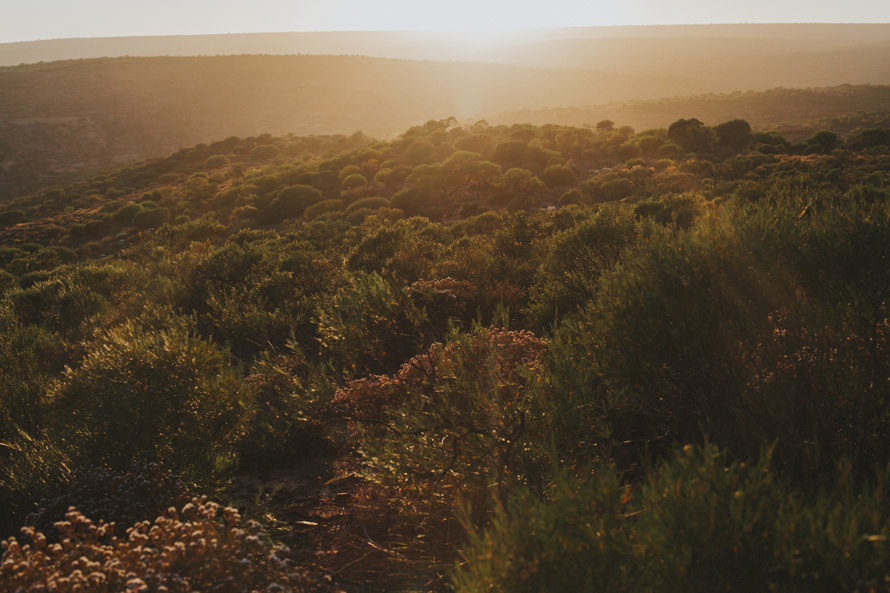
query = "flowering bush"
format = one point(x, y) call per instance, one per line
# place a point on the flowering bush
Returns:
point(202, 547)
point(453, 418)
point(142, 491)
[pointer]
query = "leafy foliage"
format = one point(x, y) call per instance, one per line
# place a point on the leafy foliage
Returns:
point(699, 522)
point(158, 395)
point(369, 307)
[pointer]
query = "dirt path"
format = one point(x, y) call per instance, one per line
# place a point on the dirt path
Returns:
point(350, 533)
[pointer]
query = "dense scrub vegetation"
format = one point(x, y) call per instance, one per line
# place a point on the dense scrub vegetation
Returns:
point(637, 361)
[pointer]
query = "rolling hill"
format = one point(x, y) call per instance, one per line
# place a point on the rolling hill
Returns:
point(60, 119)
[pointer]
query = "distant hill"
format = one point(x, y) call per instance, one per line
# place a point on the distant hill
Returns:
point(529, 47)
point(64, 118)
point(59, 118)
point(719, 64)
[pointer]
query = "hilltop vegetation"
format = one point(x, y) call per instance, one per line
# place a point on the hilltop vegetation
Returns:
point(66, 117)
point(483, 358)
point(65, 120)
point(796, 113)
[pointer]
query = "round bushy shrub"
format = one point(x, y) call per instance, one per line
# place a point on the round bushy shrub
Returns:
point(156, 395)
point(323, 207)
point(263, 152)
point(216, 161)
point(152, 218)
point(291, 201)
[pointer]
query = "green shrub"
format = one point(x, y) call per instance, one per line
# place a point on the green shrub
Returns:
point(358, 216)
point(678, 211)
point(31, 468)
point(150, 394)
point(216, 161)
point(420, 152)
point(699, 522)
point(124, 215)
point(414, 200)
point(168, 178)
point(152, 218)
point(288, 402)
point(291, 201)
point(558, 176)
point(29, 357)
point(60, 304)
point(323, 207)
point(576, 258)
point(371, 203)
point(762, 325)
point(368, 326)
point(577, 539)
point(402, 250)
point(11, 217)
point(255, 290)
point(263, 152)
point(353, 181)
point(615, 189)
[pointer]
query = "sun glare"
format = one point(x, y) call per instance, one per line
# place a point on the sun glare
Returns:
point(478, 35)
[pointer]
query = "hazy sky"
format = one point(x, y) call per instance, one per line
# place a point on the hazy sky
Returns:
point(23, 20)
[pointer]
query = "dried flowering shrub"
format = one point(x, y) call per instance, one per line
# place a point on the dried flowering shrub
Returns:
point(456, 419)
point(202, 547)
point(142, 491)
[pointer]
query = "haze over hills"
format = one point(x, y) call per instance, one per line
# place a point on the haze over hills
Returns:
point(518, 46)
point(58, 118)
point(86, 115)
point(719, 64)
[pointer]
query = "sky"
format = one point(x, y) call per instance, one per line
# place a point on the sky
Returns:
point(26, 20)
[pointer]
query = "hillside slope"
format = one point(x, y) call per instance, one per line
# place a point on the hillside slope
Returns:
point(71, 116)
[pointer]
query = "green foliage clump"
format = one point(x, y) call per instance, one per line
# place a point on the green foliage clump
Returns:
point(291, 201)
point(287, 403)
point(558, 176)
point(323, 207)
point(216, 161)
point(354, 181)
point(614, 189)
point(368, 326)
point(371, 203)
point(263, 152)
point(32, 467)
point(699, 522)
point(569, 274)
point(29, 356)
point(151, 218)
point(144, 393)
point(61, 303)
point(767, 328)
